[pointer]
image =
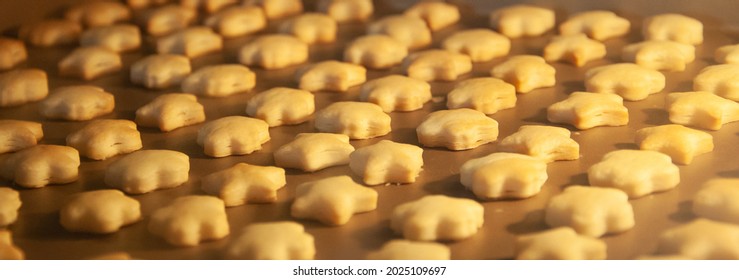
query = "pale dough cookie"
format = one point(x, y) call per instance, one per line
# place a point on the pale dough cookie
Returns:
point(18, 135)
point(233, 135)
point(191, 42)
point(358, 120)
point(673, 27)
point(387, 162)
point(190, 220)
point(51, 32)
point(164, 20)
point(237, 21)
point(458, 129)
point(244, 183)
point(396, 93)
point(330, 75)
point(101, 212)
point(208, 6)
point(220, 80)
point(719, 80)
point(561, 243)
point(629, 80)
point(576, 49)
point(282, 106)
point(77, 103)
point(171, 111)
point(314, 151)
point(375, 51)
point(118, 38)
point(148, 170)
point(436, 14)
point(12, 53)
point(18, 87)
point(590, 211)
point(636, 172)
point(701, 109)
point(660, 55)
point(411, 250)
point(549, 143)
point(88, 63)
point(504, 176)
point(8, 251)
point(437, 217)
point(275, 9)
point(479, 44)
point(273, 241)
point(113, 256)
point(160, 71)
point(10, 202)
point(103, 139)
point(140, 4)
point(585, 110)
point(274, 51)
point(410, 31)
point(682, 144)
point(718, 199)
point(727, 54)
point(101, 13)
point(332, 201)
point(487, 95)
point(701, 239)
point(525, 72)
point(436, 65)
point(311, 28)
point(599, 25)
point(522, 20)
point(347, 10)
point(41, 165)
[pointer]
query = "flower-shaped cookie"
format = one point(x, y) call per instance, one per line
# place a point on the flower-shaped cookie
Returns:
point(410, 31)
point(41, 165)
point(701, 239)
point(103, 139)
point(191, 42)
point(273, 241)
point(682, 144)
point(458, 129)
point(559, 244)
point(585, 110)
point(504, 176)
point(101, 211)
point(282, 106)
point(727, 54)
point(549, 143)
point(148, 170)
point(437, 217)
point(275, 9)
point(720, 80)
point(233, 135)
point(525, 72)
point(311, 28)
point(12, 53)
point(347, 10)
point(479, 44)
point(436, 65)
point(10, 202)
point(50, 33)
point(487, 95)
point(387, 162)
point(330, 75)
point(636, 172)
point(660, 55)
point(411, 250)
point(376, 51)
point(118, 38)
point(244, 183)
point(8, 251)
point(599, 25)
point(237, 21)
point(358, 120)
point(396, 93)
point(189, 220)
point(577, 49)
point(77, 103)
point(167, 19)
point(220, 80)
point(718, 199)
point(629, 80)
point(274, 51)
point(314, 151)
point(436, 14)
point(18, 87)
point(171, 111)
point(590, 211)
point(522, 20)
point(101, 13)
point(701, 109)
point(332, 201)
point(17, 135)
point(160, 71)
point(673, 27)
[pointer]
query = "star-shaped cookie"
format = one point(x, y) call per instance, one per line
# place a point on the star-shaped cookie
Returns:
point(332, 201)
point(701, 109)
point(590, 211)
point(720, 80)
point(549, 143)
point(636, 172)
point(682, 144)
point(437, 217)
point(585, 110)
point(245, 183)
point(525, 72)
point(561, 243)
point(701, 239)
point(577, 49)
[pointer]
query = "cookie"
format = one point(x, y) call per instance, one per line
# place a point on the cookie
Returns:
point(682, 144)
point(18, 87)
point(332, 201)
point(504, 176)
point(160, 71)
point(631, 81)
point(148, 170)
point(410, 31)
point(191, 42)
point(387, 162)
point(586, 110)
point(487, 95)
point(237, 21)
point(358, 120)
point(12, 53)
point(41, 165)
point(171, 111)
point(190, 220)
point(282, 106)
point(458, 129)
point(220, 80)
point(549, 143)
point(590, 211)
point(411, 250)
point(233, 135)
point(636, 172)
point(77, 103)
point(17, 135)
point(346, 10)
point(99, 212)
point(274, 51)
point(273, 241)
point(376, 51)
point(479, 44)
point(10, 202)
point(522, 20)
point(701, 109)
point(314, 151)
point(103, 139)
point(51, 33)
point(436, 65)
point(525, 72)
point(600, 25)
point(330, 75)
point(118, 38)
point(396, 93)
point(245, 183)
point(561, 243)
point(437, 217)
point(311, 28)
point(576, 49)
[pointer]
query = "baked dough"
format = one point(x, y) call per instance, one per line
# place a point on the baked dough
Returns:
point(274, 51)
point(375, 51)
point(237, 21)
point(171, 111)
point(727, 54)
point(719, 80)
point(245, 183)
point(718, 199)
point(522, 20)
point(636, 172)
point(167, 19)
point(100, 13)
point(18, 87)
point(41, 165)
point(660, 55)
point(411, 250)
point(561, 243)
point(436, 14)
point(117, 38)
point(437, 217)
point(190, 220)
point(220, 80)
point(160, 71)
point(585, 110)
point(410, 31)
point(347, 10)
point(590, 211)
point(10, 202)
point(332, 201)
point(103, 139)
point(396, 93)
point(673, 27)
point(479, 44)
point(629, 80)
point(436, 65)
point(273, 241)
point(458, 129)
point(101, 212)
point(233, 135)
point(701, 109)
point(311, 28)
point(701, 239)
point(140, 4)
point(387, 162)
point(525, 72)
point(17, 135)
point(51, 33)
point(8, 251)
point(275, 9)
point(576, 49)
point(597, 24)
point(504, 176)
point(77, 103)
point(191, 42)
point(358, 120)
point(330, 75)
point(88, 63)
point(487, 95)
point(148, 170)
point(282, 106)
point(548, 143)
point(682, 144)
point(12, 53)
point(314, 151)
point(208, 6)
